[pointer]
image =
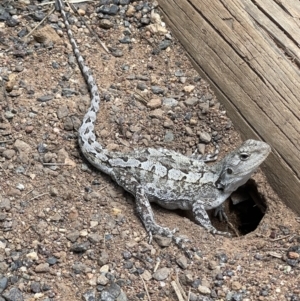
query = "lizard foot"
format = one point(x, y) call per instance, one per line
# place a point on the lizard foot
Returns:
point(180, 241)
point(220, 213)
point(159, 230)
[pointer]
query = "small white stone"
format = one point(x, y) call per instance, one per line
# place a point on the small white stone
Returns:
point(93, 224)
point(83, 233)
point(32, 256)
point(189, 88)
point(104, 268)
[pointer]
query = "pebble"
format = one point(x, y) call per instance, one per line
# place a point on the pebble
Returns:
point(102, 280)
point(94, 238)
point(191, 101)
point(168, 123)
point(169, 136)
point(32, 256)
point(45, 98)
point(38, 16)
point(3, 267)
point(164, 44)
point(14, 294)
point(146, 275)
point(79, 268)
point(103, 259)
point(157, 90)
point(104, 268)
point(154, 103)
point(204, 107)
point(9, 154)
point(162, 241)
point(35, 287)
point(105, 24)
point(182, 262)
point(12, 22)
point(73, 236)
point(189, 88)
point(3, 283)
point(189, 131)
point(110, 293)
point(89, 295)
point(204, 137)
point(157, 113)
point(42, 268)
point(169, 102)
point(5, 204)
point(141, 86)
point(62, 112)
point(204, 290)
point(80, 247)
point(235, 285)
point(161, 274)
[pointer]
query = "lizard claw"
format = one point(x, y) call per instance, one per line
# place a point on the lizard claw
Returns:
point(175, 230)
point(180, 240)
point(150, 237)
point(220, 213)
point(222, 233)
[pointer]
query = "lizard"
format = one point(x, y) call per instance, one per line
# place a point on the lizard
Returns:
point(166, 177)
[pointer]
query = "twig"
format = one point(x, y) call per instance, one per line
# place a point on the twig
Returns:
point(5, 141)
point(3, 170)
point(104, 187)
point(177, 291)
point(25, 173)
point(37, 196)
point(282, 237)
point(72, 1)
point(57, 164)
point(26, 229)
point(180, 287)
point(146, 289)
point(141, 98)
point(50, 12)
point(28, 192)
point(189, 295)
point(156, 266)
point(104, 242)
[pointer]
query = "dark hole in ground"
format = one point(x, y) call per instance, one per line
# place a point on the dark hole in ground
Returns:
point(245, 209)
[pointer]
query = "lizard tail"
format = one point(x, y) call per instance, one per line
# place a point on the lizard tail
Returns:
point(86, 131)
point(93, 151)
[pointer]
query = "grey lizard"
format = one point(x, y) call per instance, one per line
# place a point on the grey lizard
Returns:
point(163, 176)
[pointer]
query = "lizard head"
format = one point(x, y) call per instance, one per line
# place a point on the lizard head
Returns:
point(238, 166)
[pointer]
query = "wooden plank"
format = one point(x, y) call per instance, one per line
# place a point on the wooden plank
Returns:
point(252, 75)
point(272, 30)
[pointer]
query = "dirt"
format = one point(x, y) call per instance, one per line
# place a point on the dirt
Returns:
point(68, 232)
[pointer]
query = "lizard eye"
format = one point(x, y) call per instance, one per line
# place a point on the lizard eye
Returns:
point(244, 156)
point(229, 171)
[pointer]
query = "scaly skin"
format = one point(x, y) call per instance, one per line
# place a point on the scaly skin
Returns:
point(166, 177)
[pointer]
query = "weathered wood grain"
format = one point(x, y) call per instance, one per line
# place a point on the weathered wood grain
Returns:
point(249, 52)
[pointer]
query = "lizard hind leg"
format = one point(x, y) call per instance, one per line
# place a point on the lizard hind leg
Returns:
point(146, 215)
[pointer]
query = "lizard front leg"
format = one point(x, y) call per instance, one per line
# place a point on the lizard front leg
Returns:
point(145, 213)
point(202, 218)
